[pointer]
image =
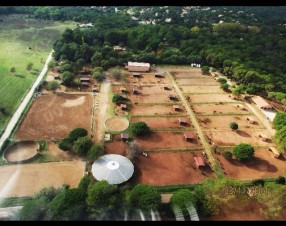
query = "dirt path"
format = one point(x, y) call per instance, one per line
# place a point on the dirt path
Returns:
point(264, 121)
point(194, 121)
point(101, 114)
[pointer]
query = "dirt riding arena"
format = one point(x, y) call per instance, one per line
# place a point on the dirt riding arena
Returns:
point(116, 146)
point(232, 138)
point(21, 151)
point(222, 122)
point(148, 78)
point(201, 89)
point(152, 90)
point(171, 168)
point(181, 69)
point(224, 108)
point(148, 98)
point(116, 124)
point(264, 165)
point(205, 98)
point(156, 109)
point(197, 81)
point(163, 122)
point(53, 116)
point(26, 179)
point(167, 140)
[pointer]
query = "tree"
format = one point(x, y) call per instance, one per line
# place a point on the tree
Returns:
point(139, 128)
point(13, 70)
point(224, 86)
point(117, 98)
point(280, 180)
point(144, 197)
point(134, 149)
point(77, 133)
point(67, 78)
point(238, 90)
point(233, 125)
point(98, 76)
point(227, 154)
point(243, 152)
point(116, 73)
point(98, 69)
point(82, 145)
point(29, 66)
point(52, 64)
point(95, 152)
point(279, 120)
point(66, 144)
point(53, 85)
point(102, 195)
point(205, 70)
point(222, 80)
point(183, 198)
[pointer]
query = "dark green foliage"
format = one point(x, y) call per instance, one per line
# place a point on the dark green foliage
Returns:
point(67, 78)
point(280, 136)
point(222, 80)
point(224, 86)
point(243, 152)
point(116, 73)
point(98, 76)
point(95, 152)
point(227, 154)
point(82, 145)
point(102, 195)
point(139, 128)
point(205, 69)
point(13, 70)
point(53, 85)
point(279, 120)
point(66, 144)
point(76, 133)
point(280, 180)
point(144, 197)
point(29, 66)
point(182, 198)
point(117, 98)
point(233, 125)
point(257, 182)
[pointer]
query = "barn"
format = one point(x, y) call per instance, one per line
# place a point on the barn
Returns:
point(199, 162)
point(176, 107)
point(188, 137)
point(124, 136)
point(274, 151)
point(262, 103)
point(138, 66)
point(123, 106)
point(182, 121)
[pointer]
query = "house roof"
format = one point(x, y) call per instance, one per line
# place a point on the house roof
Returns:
point(176, 106)
point(199, 161)
point(182, 120)
point(124, 136)
point(84, 79)
point(187, 135)
point(123, 88)
point(135, 90)
point(261, 102)
point(138, 64)
point(123, 105)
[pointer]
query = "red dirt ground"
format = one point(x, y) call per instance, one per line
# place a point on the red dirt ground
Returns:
point(26, 179)
point(171, 168)
point(201, 89)
point(163, 122)
point(167, 140)
point(151, 90)
point(148, 98)
point(117, 146)
point(264, 165)
point(148, 78)
point(225, 108)
point(196, 81)
point(232, 138)
point(153, 109)
point(49, 119)
point(210, 98)
point(222, 122)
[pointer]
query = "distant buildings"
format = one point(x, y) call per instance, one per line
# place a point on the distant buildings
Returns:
point(262, 103)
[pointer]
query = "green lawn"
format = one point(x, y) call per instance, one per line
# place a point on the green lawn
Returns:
point(17, 35)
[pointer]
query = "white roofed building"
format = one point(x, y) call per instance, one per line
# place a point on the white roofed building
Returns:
point(138, 66)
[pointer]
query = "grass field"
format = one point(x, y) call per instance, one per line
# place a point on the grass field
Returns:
point(23, 40)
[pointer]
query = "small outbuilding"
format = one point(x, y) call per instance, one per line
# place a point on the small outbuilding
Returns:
point(124, 136)
point(124, 96)
point(182, 121)
point(135, 91)
point(172, 97)
point(250, 120)
point(57, 76)
point(136, 75)
point(84, 84)
point(123, 106)
point(199, 162)
point(166, 87)
point(158, 75)
point(262, 103)
point(176, 107)
point(241, 107)
point(264, 137)
point(95, 89)
point(84, 79)
point(188, 137)
point(274, 151)
point(123, 90)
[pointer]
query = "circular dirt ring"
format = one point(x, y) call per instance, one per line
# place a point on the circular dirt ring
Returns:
point(116, 123)
point(21, 151)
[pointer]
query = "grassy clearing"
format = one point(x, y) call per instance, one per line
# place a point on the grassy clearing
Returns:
point(23, 40)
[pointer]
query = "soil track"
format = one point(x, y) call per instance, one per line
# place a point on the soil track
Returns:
point(225, 108)
point(49, 118)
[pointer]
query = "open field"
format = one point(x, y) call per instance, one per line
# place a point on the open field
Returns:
point(167, 140)
point(163, 122)
point(232, 138)
point(171, 168)
point(207, 81)
point(201, 89)
point(264, 165)
point(222, 122)
point(26, 179)
point(206, 98)
point(149, 98)
point(18, 33)
point(155, 109)
point(53, 116)
point(224, 108)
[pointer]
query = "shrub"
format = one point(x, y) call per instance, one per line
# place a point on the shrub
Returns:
point(76, 133)
point(227, 154)
point(65, 144)
point(139, 128)
point(280, 180)
point(243, 152)
point(233, 125)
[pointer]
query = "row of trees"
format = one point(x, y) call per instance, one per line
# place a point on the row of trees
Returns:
point(279, 123)
point(241, 152)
